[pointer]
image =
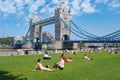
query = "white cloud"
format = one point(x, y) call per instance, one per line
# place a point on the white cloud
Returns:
point(55, 1)
point(26, 8)
point(49, 8)
point(49, 11)
point(19, 4)
point(19, 7)
point(27, 1)
point(66, 3)
point(43, 10)
point(115, 4)
point(75, 7)
point(109, 3)
point(87, 7)
point(36, 5)
point(101, 1)
point(76, 4)
point(7, 7)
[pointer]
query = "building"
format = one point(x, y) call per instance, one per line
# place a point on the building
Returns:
point(46, 37)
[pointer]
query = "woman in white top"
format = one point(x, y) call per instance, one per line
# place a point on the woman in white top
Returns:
point(86, 57)
point(61, 63)
point(46, 56)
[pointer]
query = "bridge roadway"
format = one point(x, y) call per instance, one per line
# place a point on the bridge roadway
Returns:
point(82, 41)
point(44, 22)
point(91, 41)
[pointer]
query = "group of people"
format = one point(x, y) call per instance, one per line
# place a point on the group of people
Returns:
point(61, 61)
point(60, 64)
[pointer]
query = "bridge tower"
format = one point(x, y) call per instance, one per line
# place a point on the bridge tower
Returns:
point(61, 32)
point(35, 30)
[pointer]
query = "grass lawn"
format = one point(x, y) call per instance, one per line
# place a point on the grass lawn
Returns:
point(102, 67)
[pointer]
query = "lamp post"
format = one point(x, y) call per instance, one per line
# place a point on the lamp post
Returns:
point(37, 45)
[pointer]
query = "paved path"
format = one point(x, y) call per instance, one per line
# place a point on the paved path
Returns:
point(5, 53)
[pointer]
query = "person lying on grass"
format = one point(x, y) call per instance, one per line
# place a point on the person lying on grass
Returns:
point(85, 57)
point(39, 66)
point(66, 59)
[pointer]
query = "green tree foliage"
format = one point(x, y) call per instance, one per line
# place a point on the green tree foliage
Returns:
point(5, 41)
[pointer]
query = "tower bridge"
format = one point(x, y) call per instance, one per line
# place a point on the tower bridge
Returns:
point(61, 32)
point(64, 26)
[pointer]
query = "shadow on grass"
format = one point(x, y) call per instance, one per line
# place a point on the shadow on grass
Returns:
point(4, 75)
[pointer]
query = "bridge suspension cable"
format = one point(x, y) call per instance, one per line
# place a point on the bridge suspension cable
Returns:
point(71, 29)
point(76, 30)
point(79, 32)
point(112, 34)
point(85, 33)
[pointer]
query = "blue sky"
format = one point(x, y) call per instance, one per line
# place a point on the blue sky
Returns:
point(99, 17)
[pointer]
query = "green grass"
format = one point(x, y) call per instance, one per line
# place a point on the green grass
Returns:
point(103, 67)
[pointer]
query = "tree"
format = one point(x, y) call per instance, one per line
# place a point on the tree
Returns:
point(5, 41)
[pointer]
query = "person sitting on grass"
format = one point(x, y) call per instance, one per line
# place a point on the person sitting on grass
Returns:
point(85, 57)
point(46, 56)
point(39, 66)
point(65, 59)
point(59, 64)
